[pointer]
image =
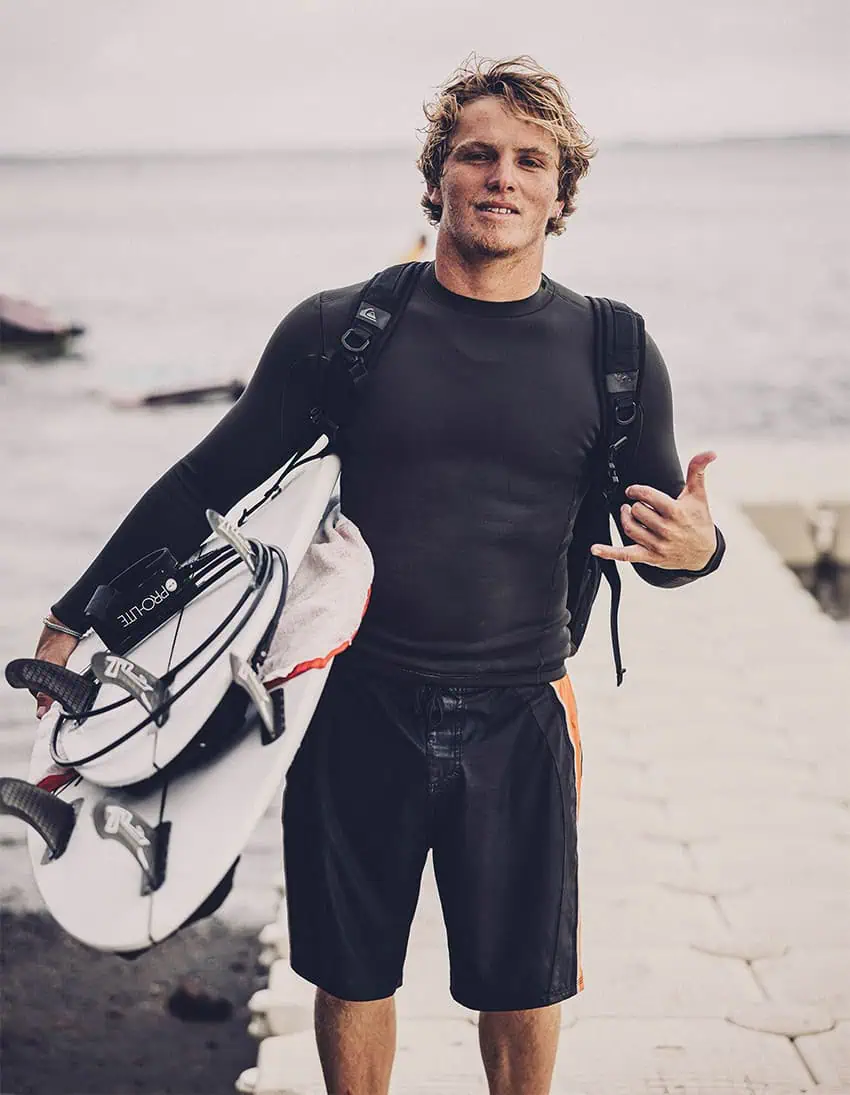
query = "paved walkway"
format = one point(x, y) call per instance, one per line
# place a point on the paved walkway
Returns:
point(715, 808)
point(715, 863)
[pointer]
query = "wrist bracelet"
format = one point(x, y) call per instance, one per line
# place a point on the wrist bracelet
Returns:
point(54, 626)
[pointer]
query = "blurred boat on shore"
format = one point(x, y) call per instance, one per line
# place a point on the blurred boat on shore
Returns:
point(23, 324)
point(208, 393)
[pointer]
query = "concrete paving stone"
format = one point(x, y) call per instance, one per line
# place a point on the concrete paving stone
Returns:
point(799, 917)
point(258, 869)
point(819, 861)
point(728, 943)
point(285, 1006)
point(828, 1055)
point(618, 745)
point(676, 1051)
point(833, 783)
point(627, 858)
point(809, 976)
point(425, 992)
point(643, 915)
point(618, 779)
point(661, 982)
point(429, 1054)
point(731, 776)
point(706, 742)
point(604, 812)
point(251, 906)
point(707, 884)
point(777, 1017)
point(778, 813)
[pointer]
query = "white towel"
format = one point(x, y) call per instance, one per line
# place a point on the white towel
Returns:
point(327, 599)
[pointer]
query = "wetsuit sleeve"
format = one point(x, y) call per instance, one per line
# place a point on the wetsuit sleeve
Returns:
point(655, 462)
point(261, 431)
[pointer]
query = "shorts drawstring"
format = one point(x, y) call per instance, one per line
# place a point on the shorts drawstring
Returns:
point(428, 700)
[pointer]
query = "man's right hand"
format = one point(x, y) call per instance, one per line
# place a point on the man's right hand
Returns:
point(55, 647)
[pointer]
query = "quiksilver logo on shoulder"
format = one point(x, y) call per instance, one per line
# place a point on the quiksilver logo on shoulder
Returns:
point(148, 603)
point(376, 316)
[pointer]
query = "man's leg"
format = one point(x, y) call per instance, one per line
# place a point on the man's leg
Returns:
point(518, 1049)
point(355, 832)
point(356, 1041)
point(506, 863)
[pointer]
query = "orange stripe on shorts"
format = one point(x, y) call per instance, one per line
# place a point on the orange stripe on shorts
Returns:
point(564, 691)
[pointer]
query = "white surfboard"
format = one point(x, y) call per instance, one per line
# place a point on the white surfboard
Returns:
point(187, 831)
point(290, 520)
point(140, 860)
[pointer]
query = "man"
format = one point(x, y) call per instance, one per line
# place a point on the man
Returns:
point(449, 726)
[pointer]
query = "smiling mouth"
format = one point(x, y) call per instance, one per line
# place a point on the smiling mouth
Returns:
point(500, 210)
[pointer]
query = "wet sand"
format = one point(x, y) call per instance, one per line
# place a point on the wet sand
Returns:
point(78, 1022)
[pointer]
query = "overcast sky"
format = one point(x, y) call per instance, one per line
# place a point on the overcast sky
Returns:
point(82, 75)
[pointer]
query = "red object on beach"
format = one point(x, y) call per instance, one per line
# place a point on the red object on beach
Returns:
point(22, 323)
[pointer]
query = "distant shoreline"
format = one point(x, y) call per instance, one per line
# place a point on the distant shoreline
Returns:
point(29, 157)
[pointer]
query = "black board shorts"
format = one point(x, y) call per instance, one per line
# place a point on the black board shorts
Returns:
point(489, 780)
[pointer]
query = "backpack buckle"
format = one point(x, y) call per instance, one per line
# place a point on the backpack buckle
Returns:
point(324, 423)
point(356, 347)
point(625, 413)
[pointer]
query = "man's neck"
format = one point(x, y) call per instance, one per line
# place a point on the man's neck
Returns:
point(504, 278)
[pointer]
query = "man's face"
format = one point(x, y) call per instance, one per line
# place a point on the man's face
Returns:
point(500, 182)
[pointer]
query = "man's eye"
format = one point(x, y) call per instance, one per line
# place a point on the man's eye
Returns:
point(528, 162)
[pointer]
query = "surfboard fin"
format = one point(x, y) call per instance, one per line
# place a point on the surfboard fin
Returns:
point(269, 705)
point(232, 536)
point(74, 692)
point(147, 844)
point(150, 691)
point(51, 817)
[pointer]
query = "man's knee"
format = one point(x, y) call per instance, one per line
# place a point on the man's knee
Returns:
point(337, 1003)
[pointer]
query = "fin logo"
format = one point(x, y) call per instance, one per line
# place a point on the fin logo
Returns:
point(123, 670)
point(119, 818)
point(115, 822)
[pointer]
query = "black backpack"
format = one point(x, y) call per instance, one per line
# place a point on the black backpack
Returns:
point(620, 346)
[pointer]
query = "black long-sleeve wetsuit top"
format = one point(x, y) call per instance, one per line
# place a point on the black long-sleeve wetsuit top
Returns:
point(463, 467)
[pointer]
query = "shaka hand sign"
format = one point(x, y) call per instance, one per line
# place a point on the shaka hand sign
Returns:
point(672, 533)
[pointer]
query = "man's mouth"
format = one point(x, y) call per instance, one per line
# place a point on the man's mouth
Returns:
point(501, 210)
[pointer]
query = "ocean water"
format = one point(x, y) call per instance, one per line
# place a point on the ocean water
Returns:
point(737, 253)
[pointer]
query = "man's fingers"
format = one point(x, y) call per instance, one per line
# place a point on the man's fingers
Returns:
point(648, 518)
point(662, 503)
point(641, 534)
point(634, 553)
point(695, 479)
point(43, 704)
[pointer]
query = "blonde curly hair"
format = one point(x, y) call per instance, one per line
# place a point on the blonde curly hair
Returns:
point(531, 93)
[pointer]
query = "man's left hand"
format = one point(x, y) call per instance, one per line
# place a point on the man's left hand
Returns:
point(672, 533)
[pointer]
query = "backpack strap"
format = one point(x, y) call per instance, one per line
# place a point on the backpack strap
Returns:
point(619, 355)
point(380, 307)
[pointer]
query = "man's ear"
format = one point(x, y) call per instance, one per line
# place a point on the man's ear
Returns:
point(435, 195)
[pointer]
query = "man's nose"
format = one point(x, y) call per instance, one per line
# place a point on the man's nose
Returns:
point(502, 175)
